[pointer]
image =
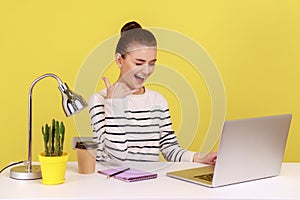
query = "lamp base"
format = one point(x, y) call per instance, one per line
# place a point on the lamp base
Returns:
point(22, 173)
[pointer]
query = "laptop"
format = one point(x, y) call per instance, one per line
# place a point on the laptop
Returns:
point(249, 149)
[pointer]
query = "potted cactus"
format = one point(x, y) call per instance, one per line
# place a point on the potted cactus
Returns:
point(53, 160)
point(54, 138)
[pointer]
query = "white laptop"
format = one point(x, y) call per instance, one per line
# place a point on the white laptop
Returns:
point(249, 149)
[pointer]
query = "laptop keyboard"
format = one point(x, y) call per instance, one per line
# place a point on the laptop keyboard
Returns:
point(207, 177)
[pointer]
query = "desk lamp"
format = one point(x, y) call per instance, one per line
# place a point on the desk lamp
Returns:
point(72, 103)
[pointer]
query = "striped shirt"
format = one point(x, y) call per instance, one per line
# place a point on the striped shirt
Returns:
point(136, 128)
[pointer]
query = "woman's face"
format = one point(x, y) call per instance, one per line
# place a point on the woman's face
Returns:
point(136, 66)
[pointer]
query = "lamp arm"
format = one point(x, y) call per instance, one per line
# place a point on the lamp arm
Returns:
point(30, 114)
point(42, 77)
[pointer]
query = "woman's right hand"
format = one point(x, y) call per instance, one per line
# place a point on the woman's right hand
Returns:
point(209, 158)
point(118, 90)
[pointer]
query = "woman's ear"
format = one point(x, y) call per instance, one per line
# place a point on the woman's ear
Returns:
point(119, 60)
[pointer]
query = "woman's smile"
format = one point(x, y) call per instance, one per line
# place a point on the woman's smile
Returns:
point(140, 79)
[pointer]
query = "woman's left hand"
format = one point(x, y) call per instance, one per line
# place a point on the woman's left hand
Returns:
point(209, 158)
point(117, 90)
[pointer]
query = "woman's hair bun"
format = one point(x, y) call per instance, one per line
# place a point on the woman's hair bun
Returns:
point(130, 26)
point(133, 34)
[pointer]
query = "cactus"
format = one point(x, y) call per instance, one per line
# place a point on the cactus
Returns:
point(46, 135)
point(62, 132)
point(57, 138)
point(54, 137)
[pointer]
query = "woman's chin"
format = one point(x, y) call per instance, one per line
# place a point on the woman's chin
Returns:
point(137, 86)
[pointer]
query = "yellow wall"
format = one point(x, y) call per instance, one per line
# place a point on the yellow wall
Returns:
point(255, 45)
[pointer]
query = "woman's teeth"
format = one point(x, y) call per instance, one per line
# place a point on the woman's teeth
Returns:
point(139, 77)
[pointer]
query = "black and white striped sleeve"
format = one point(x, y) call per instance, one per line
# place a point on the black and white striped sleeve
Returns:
point(97, 115)
point(107, 118)
point(169, 145)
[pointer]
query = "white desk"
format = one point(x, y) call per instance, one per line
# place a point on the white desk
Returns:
point(97, 186)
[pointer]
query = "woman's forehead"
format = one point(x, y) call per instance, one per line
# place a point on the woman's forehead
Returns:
point(140, 49)
point(145, 52)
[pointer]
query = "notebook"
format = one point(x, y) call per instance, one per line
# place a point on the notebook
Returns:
point(249, 149)
point(130, 175)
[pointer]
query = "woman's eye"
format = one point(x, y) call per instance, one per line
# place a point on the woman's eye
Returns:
point(138, 64)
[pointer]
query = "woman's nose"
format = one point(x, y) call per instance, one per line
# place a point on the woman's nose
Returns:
point(146, 69)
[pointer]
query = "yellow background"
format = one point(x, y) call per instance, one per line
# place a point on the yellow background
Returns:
point(254, 44)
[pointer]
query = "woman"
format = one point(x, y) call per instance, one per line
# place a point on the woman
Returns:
point(129, 121)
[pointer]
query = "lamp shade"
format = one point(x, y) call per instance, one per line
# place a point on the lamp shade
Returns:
point(72, 103)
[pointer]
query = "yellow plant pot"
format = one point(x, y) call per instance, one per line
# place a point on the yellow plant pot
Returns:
point(53, 168)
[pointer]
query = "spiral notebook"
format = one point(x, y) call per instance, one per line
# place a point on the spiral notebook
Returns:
point(130, 175)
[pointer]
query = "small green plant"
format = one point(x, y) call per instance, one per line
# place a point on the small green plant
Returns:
point(54, 137)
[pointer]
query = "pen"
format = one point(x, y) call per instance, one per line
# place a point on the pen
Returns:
point(118, 172)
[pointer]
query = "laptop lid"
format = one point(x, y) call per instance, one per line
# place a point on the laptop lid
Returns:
point(249, 149)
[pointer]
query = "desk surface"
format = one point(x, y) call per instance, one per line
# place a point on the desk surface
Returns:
point(97, 186)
